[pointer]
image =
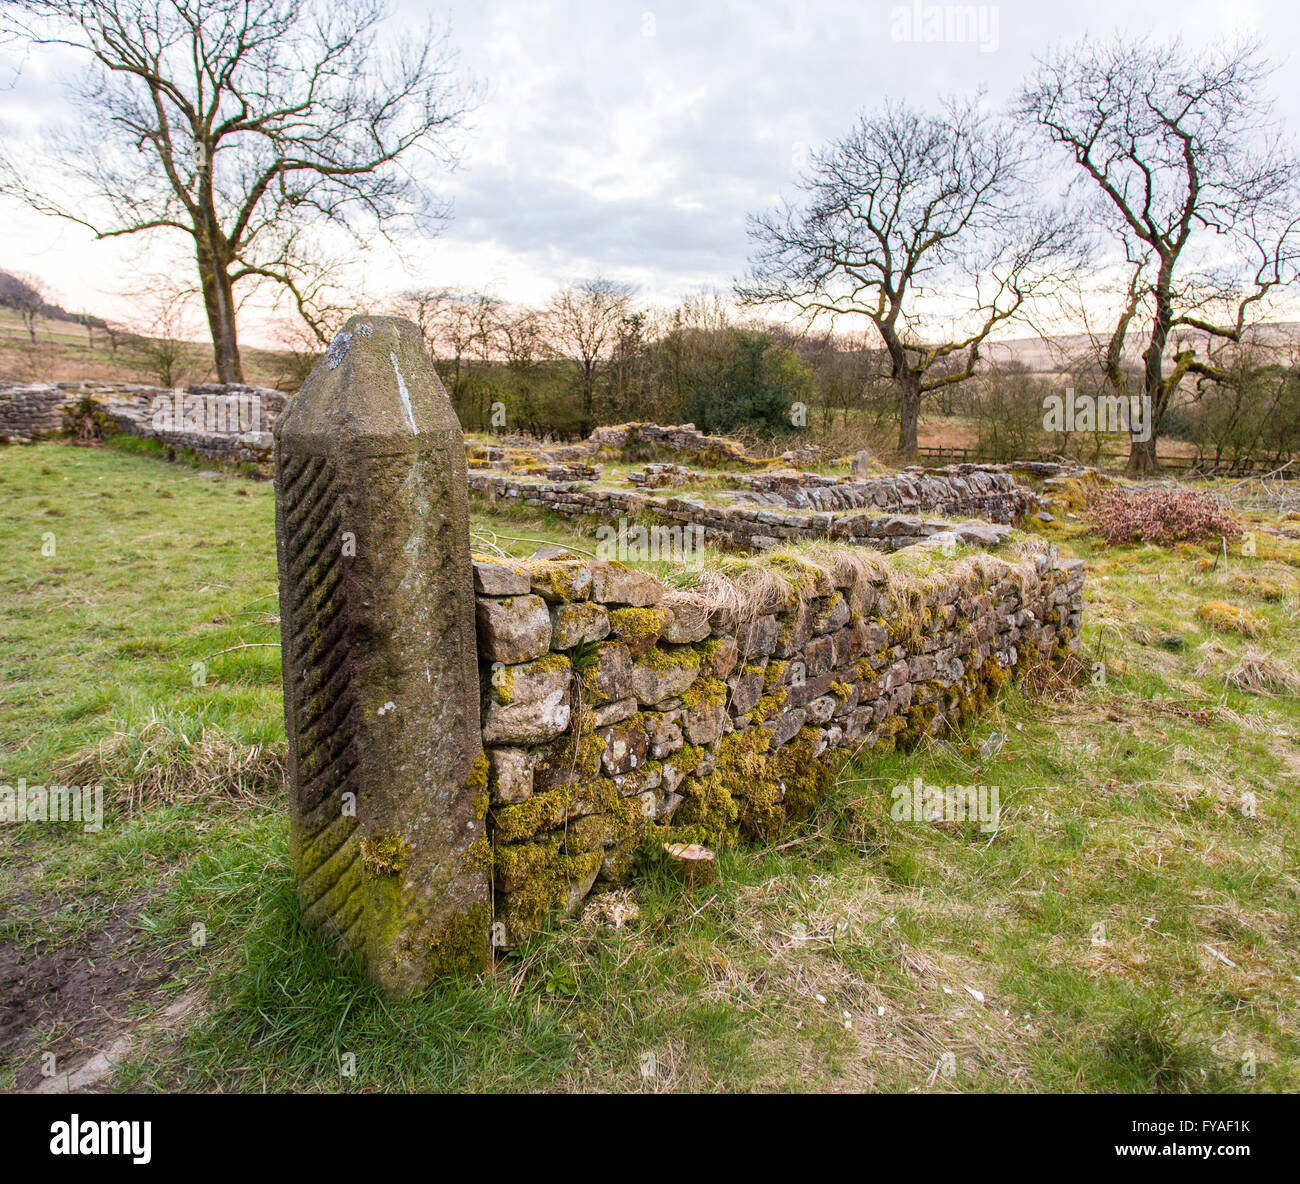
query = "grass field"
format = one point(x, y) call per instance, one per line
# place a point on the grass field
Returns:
point(1131, 924)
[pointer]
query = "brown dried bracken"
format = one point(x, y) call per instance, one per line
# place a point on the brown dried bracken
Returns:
point(1161, 516)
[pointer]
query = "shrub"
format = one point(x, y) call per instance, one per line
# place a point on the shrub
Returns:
point(1161, 516)
point(86, 420)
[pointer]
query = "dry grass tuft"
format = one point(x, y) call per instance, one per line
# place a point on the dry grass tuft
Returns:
point(745, 587)
point(159, 765)
point(1258, 674)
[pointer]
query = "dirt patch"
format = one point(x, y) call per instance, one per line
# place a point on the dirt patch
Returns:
point(74, 998)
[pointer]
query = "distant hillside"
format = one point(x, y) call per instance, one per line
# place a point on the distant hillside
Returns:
point(1051, 355)
point(22, 295)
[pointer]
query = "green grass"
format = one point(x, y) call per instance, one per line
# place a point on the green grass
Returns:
point(1145, 824)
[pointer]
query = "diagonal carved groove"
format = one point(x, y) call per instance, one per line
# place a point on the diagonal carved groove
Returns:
point(323, 706)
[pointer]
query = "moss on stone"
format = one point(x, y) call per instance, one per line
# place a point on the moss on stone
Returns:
point(542, 811)
point(477, 783)
point(916, 725)
point(386, 855)
point(769, 706)
point(659, 660)
point(460, 945)
point(910, 625)
point(807, 778)
point(478, 856)
point(704, 693)
point(637, 626)
point(546, 889)
point(775, 675)
point(514, 864)
point(572, 757)
point(709, 809)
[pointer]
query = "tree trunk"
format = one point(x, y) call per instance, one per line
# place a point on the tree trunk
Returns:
point(588, 396)
point(1142, 456)
point(910, 389)
point(220, 307)
point(1142, 453)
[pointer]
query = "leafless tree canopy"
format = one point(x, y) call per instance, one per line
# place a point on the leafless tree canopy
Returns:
point(911, 209)
point(584, 323)
point(241, 124)
point(1177, 160)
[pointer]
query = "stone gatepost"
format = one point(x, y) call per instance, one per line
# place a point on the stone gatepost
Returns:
point(387, 779)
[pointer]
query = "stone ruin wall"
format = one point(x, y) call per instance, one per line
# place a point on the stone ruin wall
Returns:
point(37, 410)
point(27, 412)
point(773, 507)
point(892, 522)
point(617, 710)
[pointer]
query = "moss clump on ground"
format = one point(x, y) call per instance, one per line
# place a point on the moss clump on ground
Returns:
point(1253, 585)
point(1222, 617)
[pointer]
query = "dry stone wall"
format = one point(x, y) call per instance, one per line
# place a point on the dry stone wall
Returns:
point(891, 524)
point(37, 409)
point(223, 422)
point(619, 712)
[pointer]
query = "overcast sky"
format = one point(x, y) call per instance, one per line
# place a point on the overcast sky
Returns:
point(630, 139)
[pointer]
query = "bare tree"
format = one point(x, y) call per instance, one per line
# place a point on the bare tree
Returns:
point(241, 124)
point(162, 327)
point(1176, 153)
point(26, 294)
point(906, 216)
point(458, 326)
point(90, 323)
point(584, 321)
point(523, 346)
